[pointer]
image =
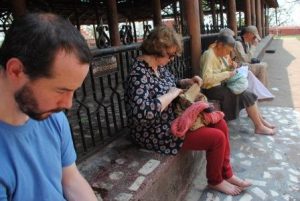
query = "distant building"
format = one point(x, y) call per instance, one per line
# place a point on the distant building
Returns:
point(285, 30)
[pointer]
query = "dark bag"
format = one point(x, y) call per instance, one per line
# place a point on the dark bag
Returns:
point(255, 60)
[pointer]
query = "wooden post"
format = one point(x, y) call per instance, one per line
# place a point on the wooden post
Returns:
point(232, 15)
point(258, 16)
point(18, 8)
point(76, 16)
point(253, 13)
point(112, 16)
point(201, 15)
point(248, 12)
point(222, 13)
point(191, 10)
point(263, 18)
point(213, 12)
point(267, 19)
point(156, 8)
point(240, 19)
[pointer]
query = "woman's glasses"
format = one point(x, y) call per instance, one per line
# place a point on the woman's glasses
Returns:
point(171, 55)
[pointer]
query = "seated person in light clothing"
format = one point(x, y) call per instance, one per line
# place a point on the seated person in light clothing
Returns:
point(254, 85)
point(215, 73)
point(244, 50)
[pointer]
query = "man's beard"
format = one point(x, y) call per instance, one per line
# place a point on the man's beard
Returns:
point(28, 104)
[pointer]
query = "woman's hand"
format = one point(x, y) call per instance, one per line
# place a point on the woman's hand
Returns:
point(233, 64)
point(232, 73)
point(167, 98)
point(198, 80)
point(175, 91)
point(185, 83)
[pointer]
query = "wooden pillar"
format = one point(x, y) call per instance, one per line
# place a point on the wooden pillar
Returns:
point(213, 12)
point(156, 8)
point(222, 13)
point(191, 10)
point(258, 16)
point(76, 15)
point(18, 8)
point(263, 18)
point(248, 12)
point(267, 19)
point(134, 31)
point(112, 17)
point(240, 19)
point(253, 13)
point(231, 7)
point(201, 13)
point(77, 20)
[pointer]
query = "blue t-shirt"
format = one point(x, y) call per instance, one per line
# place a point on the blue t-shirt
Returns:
point(32, 157)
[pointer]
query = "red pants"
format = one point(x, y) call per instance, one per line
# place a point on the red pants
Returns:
point(215, 141)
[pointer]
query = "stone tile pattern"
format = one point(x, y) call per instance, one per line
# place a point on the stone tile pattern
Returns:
point(272, 163)
point(126, 173)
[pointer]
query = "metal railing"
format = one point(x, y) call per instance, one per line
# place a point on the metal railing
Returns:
point(98, 113)
point(211, 29)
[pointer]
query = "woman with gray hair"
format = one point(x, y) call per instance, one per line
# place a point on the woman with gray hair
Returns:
point(254, 84)
point(215, 74)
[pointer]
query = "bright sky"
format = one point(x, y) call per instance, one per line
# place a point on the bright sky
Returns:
point(294, 12)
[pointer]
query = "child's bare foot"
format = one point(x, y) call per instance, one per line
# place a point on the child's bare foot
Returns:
point(239, 182)
point(263, 130)
point(268, 124)
point(227, 188)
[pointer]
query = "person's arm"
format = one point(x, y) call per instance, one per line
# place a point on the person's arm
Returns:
point(167, 98)
point(142, 102)
point(252, 49)
point(187, 82)
point(3, 195)
point(75, 187)
point(210, 77)
point(229, 63)
point(242, 55)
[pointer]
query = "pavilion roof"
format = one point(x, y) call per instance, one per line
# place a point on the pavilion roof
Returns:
point(92, 11)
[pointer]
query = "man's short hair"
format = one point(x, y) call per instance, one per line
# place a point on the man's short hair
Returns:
point(35, 40)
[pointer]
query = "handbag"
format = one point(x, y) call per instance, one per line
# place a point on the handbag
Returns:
point(237, 83)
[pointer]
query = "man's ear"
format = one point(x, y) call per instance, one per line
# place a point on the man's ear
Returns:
point(15, 69)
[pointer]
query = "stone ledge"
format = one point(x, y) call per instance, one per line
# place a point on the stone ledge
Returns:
point(124, 172)
point(261, 47)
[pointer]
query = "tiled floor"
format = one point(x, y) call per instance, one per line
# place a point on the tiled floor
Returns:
point(272, 163)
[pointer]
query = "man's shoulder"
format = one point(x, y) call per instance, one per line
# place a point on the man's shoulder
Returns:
point(238, 46)
point(57, 121)
point(207, 53)
point(239, 43)
point(58, 117)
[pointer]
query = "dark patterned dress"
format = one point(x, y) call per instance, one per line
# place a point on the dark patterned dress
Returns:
point(150, 128)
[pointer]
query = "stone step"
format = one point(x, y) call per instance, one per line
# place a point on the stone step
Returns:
point(123, 172)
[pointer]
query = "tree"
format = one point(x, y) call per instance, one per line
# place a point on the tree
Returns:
point(282, 15)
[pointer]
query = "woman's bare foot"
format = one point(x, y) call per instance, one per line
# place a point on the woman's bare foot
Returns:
point(239, 182)
point(227, 188)
point(267, 124)
point(264, 130)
